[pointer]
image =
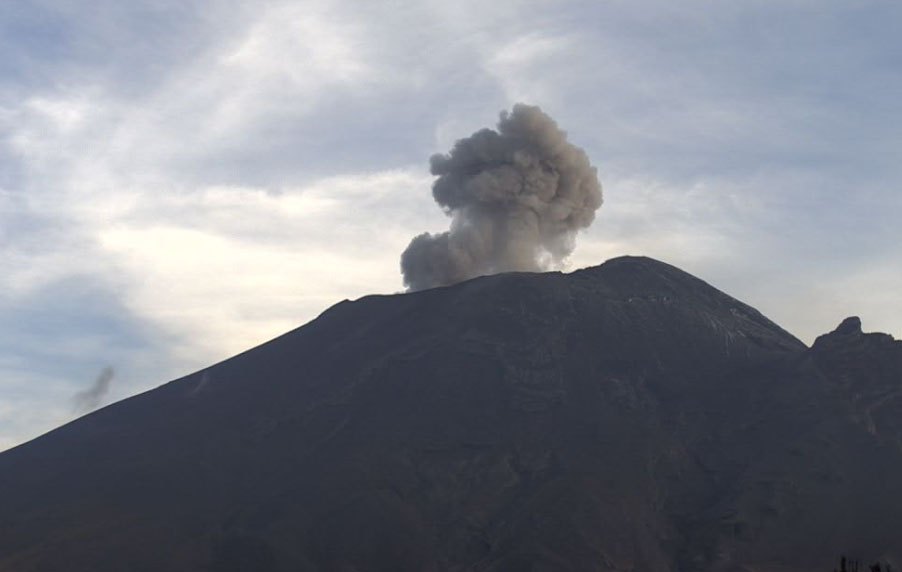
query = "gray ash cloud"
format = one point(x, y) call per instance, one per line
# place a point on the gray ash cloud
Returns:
point(88, 399)
point(516, 197)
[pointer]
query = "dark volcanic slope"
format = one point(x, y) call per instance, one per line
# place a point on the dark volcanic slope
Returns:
point(624, 417)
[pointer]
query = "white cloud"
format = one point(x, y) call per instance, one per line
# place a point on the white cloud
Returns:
point(300, 45)
point(114, 189)
point(519, 65)
point(227, 268)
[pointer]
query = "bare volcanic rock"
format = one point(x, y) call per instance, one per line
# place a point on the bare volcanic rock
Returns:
point(623, 417)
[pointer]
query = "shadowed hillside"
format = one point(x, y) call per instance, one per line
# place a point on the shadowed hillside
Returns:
point(623, 417)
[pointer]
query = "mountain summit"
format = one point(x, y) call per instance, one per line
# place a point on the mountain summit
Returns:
point(622, 417)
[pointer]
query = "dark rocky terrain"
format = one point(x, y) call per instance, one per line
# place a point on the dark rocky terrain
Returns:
point(623, 417)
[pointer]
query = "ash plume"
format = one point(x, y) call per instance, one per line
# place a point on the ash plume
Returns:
point(516, 198)
point(88, 399)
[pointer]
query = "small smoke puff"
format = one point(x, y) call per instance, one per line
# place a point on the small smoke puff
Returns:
point(90, 398)
point(516, 197)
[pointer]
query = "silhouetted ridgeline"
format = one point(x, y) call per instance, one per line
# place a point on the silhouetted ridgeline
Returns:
point(846, 565)
point(622, 417)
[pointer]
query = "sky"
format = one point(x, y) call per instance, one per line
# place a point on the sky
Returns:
point(181, 181)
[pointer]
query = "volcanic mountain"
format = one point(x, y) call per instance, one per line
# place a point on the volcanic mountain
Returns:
point(622, 417)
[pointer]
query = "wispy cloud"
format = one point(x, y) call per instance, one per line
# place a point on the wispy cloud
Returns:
point(278, 258)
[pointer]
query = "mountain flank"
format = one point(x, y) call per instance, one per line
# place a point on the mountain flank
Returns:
point(626, 417)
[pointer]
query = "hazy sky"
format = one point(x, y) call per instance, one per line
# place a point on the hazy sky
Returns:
point(180, 181)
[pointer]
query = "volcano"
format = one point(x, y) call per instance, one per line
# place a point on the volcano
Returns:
point(626, 417)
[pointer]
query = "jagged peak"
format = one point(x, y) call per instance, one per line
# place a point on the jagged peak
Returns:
point(849, 333)
point(849, 326)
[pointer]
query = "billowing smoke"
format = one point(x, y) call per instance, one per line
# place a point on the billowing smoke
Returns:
point(90, 398)
point(516, 198)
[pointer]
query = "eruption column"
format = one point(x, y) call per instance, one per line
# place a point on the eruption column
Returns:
point(516, 198)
